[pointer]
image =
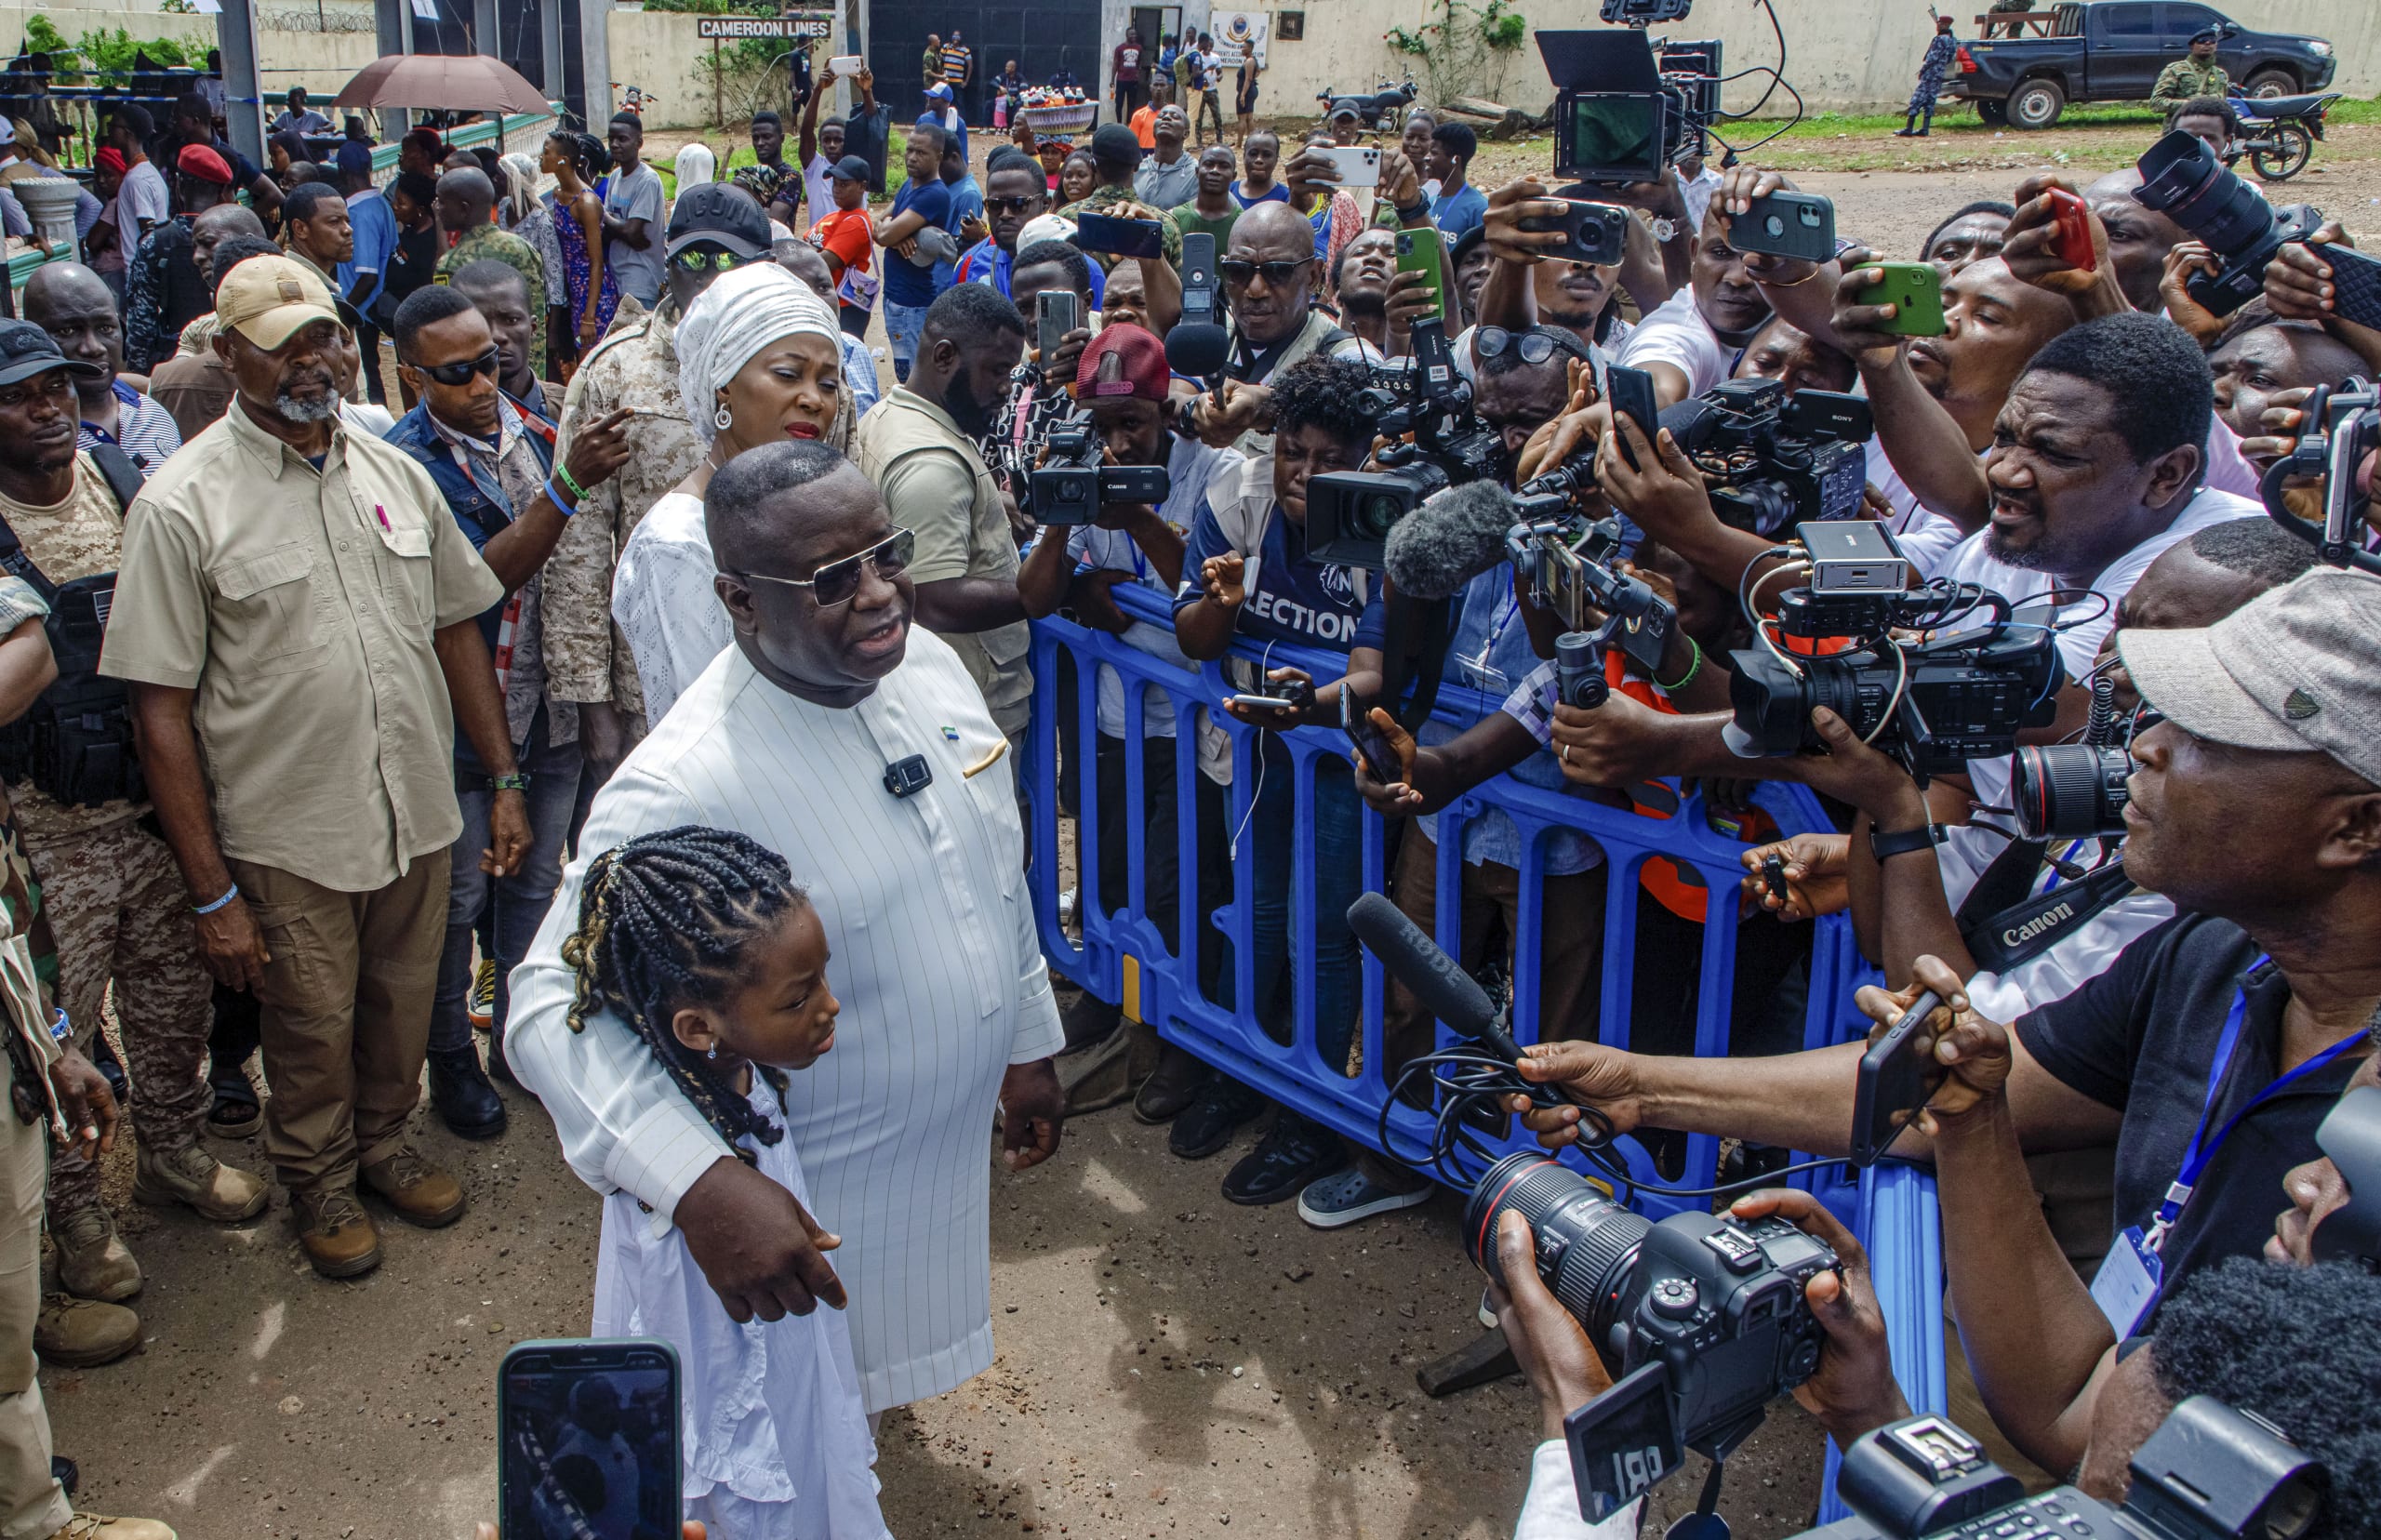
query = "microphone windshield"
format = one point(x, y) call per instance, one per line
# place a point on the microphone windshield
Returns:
point(1198, 350)
point(1454, 536)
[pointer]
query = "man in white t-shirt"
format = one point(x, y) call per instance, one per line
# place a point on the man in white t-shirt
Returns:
point(142, 202)
point(1691, 342)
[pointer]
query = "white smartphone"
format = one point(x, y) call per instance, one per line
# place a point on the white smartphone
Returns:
point(846, 66)
point(1359, 163)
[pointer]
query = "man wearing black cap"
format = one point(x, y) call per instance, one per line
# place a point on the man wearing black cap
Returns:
point(1346, 121)
point(1117, 155)
point(2200, 75)
point(715, 229)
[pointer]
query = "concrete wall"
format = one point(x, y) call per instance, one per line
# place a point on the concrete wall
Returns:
point(659, 51)
point(299, 44)
point(1841, 55)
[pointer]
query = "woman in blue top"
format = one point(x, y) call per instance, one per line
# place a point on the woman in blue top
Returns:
point(1259, 155)
point(1246, 576)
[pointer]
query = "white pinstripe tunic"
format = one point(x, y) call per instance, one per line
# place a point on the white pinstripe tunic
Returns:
point(935, 961)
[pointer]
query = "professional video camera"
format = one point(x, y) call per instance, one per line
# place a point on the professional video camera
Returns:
point(1935, 703)
point(1065, 482)
point(2208, 1473)
point(2343, 433)
point(1700, 1318)
point(1780, 459)
point(1622, 114)
point(1642, 13)
point(1349, 512)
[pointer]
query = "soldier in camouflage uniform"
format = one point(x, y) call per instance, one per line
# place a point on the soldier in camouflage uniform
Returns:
point(112, 894)
point(2200, 75)
point(466, 201)
point(635, 367)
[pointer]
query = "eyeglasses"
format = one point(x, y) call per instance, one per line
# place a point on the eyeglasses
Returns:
point(708, 262)
point(838, 581)
point(460, 373)
point(1238, 272)
point(1009, 206)
point(1535, 345)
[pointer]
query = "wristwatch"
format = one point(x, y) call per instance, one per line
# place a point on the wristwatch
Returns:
point(1901, 841)
point(1665, 228)
point(518, 781)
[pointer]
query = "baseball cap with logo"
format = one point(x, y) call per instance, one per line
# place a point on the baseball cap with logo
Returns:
point(1122, 362)
point(719, 214)
point(27, 351)
point(851, 168)
point(2293, 670)
point(267, 299)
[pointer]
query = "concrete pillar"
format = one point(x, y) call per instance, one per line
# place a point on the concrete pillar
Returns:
point(486, 31)
point(595, 61)
point(549, 48)
point(235, 34)
point(393, 21)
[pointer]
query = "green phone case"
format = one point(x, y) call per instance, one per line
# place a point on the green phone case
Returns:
point(1915, 290)
point(1423, 251)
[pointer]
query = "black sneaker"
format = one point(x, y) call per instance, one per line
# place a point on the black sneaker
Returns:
point(1294, 1151)
point(1206, 1125)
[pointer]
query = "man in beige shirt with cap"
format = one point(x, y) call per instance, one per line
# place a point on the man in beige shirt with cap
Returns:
point(295, 613)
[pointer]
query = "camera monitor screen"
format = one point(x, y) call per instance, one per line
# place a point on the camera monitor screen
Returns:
point(1623, 1441)
point(1611, 138)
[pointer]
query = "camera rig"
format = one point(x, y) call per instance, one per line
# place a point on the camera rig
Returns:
point(2344, 431)
point(1568, 561)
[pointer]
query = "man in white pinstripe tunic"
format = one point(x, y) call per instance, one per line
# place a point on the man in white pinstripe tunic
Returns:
point(787, 737)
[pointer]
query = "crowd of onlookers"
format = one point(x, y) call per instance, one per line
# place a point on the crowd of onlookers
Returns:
point(640, 680)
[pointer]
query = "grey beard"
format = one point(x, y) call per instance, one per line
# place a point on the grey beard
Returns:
point(320, 411)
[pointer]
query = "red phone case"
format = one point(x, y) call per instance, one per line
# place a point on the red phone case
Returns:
point(2074, 230)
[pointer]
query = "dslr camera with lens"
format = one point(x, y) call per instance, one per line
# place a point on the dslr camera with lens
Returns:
point(2208, 1473)
point(1700, 1318)
point(1935, 703)
point(1780, 459)
point(1070, 485)
point(1349, 512)
point(2182, 179)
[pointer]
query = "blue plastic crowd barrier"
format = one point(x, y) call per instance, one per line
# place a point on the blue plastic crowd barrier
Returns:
point(1123, 956)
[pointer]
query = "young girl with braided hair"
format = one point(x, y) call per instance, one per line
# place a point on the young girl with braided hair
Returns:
point(700, 941)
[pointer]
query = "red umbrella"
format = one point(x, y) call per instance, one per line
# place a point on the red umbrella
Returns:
point(457, 82)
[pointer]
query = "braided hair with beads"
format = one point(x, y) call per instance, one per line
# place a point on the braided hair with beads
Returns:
point(664, 921)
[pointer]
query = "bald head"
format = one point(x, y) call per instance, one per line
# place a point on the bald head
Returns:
point(464, 198)
point(1270, 225)
point(58, 288)
point(786, 488)
point(804, 260)
point(1268, 312)
point(229, 218)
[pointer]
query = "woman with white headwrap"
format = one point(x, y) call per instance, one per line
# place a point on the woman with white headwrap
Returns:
point(697, 165)
point(759, 360)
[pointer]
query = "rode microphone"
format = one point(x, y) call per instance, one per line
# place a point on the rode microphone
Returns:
point(1197, 346)
point(1437, 980)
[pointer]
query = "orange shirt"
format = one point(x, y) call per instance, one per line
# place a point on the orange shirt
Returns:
point(1145, 128)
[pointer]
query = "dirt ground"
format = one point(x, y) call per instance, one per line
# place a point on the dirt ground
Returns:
point(1169, 1364)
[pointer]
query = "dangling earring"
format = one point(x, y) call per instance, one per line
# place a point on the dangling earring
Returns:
point(714, 1054)
point(723, 419)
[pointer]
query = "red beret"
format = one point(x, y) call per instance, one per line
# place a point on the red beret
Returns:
point(109, 159)
point(197, 160)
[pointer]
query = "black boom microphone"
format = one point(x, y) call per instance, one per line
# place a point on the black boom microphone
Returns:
point(1437, 980)
point(1454, 536)
point(1197, 346)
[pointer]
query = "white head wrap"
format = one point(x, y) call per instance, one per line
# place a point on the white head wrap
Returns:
point(695, 165)
point(744, 311)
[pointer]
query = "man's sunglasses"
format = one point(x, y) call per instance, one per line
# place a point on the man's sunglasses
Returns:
point(1009, 205)
point(1535, 345)
point(460, 373)
point(1237, 273)
point(700, 261)
point(838, 581)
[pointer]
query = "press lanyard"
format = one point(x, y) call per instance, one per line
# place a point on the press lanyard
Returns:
point(2200, 1152)
point(1493, 677)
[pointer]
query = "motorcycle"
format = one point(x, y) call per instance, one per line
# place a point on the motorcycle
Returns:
point(1381, 112)
point(2278, 134)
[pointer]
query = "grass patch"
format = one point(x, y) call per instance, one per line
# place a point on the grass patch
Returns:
point(1963, 119)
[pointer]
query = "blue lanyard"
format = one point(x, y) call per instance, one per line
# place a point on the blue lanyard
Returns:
point(2200, 1153)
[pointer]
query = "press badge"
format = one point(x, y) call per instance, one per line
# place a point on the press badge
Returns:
point(2126, 1287)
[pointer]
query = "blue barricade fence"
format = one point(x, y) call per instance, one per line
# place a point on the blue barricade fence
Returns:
point(1123, 957)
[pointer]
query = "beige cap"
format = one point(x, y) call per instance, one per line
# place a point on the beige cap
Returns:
point(269, 298)
point(2297, 668)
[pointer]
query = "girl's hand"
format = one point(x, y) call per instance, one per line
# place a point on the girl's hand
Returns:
point(1221, 576)
point(1399, 796)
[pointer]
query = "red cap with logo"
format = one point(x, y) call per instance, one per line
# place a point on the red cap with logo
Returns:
point(1123, 361)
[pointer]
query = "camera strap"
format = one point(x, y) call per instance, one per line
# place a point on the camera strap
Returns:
point(2018, 934)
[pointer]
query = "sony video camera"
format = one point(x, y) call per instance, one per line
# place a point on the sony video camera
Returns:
point(1065, 482)
point(1626, 111)
point(1349, 512)
point(1780, 459)
point(1935, 702)
point(2208, 1473)
point(1701, 1318)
